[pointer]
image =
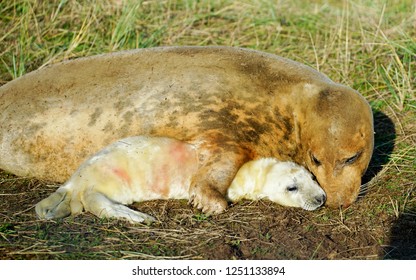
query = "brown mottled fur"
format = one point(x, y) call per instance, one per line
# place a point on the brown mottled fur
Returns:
point(238, 104)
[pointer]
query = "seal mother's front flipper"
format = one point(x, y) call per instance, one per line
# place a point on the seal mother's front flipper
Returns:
point(210, 183)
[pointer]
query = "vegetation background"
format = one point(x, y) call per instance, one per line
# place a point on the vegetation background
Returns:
point(368, 45)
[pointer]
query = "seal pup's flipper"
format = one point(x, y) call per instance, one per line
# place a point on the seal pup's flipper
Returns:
point(103, 207)
point(55, 206)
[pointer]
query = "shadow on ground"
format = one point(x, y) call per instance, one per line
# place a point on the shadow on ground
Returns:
point(402, 243)
point(384, 138)
point(403, 237)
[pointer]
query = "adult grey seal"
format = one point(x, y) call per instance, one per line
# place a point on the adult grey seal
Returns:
point(238, 104)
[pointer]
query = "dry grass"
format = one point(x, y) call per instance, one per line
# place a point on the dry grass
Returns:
point(368, 45)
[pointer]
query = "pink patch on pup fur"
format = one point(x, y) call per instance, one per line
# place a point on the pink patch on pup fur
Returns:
point(179, 152)
point(160, 185)
point(122, 174)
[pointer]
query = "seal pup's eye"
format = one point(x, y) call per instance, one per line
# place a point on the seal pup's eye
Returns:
point(292, 188)
point(353, 159)
point(315, 160)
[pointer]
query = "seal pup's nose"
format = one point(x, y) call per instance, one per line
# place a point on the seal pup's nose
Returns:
point(320, 199)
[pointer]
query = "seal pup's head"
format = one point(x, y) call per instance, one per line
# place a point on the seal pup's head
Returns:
point(289, 184)
point(283, 182)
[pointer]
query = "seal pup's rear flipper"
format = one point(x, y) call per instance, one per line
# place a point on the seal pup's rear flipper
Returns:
point(101, 206)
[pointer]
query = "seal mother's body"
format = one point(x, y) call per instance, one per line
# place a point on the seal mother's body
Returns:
point(236, 104)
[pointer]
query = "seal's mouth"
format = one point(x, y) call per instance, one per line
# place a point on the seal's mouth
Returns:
point(315, 203)
point(309, 206)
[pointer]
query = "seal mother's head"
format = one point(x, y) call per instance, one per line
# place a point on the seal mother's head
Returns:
point(337, 139)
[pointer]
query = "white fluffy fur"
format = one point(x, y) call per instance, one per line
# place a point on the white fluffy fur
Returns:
point(145, 168)
point(285, 183)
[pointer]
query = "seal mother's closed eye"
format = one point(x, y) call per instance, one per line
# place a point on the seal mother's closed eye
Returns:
point(238, 104)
